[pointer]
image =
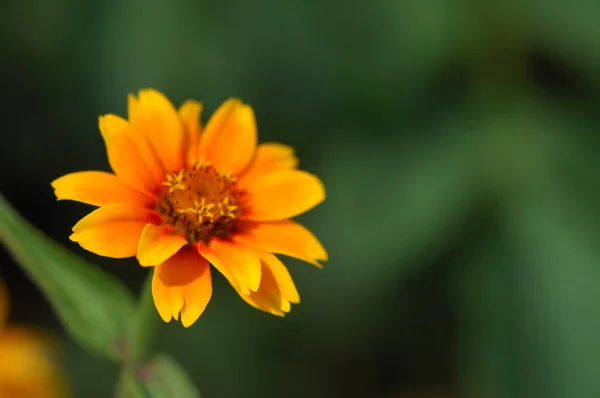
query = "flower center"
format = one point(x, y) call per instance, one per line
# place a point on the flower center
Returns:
point(201, 203)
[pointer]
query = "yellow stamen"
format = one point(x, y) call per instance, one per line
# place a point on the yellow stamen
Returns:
point(201, 202)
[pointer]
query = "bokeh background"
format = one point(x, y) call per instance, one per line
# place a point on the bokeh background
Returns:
point(459, 144)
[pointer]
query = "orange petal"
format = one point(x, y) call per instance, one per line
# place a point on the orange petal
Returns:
point(113, 230)
point(182, 284)
point(130, 155)
point(284, 194)
point(283, 280)
point(240, 265)
point(229, 139)
point(157, 244)
point(155, 117)
point(276, 289)
point(4, 304)
point(189, 113)
point(269, 157)
point(97, 188)
point(283, 237)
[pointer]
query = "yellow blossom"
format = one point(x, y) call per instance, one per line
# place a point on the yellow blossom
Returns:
point(182, 197)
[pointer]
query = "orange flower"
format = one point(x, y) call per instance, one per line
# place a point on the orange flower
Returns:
point(26, 368)
point(181, 198)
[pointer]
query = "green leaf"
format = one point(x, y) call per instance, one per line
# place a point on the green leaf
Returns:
point(556, 239)
point(93, 306)
point(529, 300)
point(129, 386)
point(492, 360)
point(168, 379)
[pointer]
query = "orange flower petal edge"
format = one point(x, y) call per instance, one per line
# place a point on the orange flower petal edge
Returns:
point(182, 285)
point(182, 197)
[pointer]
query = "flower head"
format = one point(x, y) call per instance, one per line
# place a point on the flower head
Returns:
point(182, 197)
point(26, 367)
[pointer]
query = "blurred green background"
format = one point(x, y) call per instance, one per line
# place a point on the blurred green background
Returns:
point(458, 141)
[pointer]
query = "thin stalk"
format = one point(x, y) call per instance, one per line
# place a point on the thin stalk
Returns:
point(140, 343)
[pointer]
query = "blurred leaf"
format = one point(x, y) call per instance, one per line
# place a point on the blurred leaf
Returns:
point(93, 306)
point(569, 31)
point(392, 203)
point(558, 247)
point(168, 379)
point(530, 301)
point(405, 202)
point(129, 386)
point(491, 357)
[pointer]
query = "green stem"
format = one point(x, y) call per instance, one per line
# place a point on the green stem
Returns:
point(143, 330)
point(140, 343)
point(128, 385)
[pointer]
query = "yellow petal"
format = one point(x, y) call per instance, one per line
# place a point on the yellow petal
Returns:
point(282, 237)
point(130, 155)
point(269, 157)
point(229, 139)
point(182, 284)
point(283, 194)
point(157, 244)
point(97, 188)
point(4, 305)
point(155, 117)
point(113, 230)
point(26, 368)
point(276, 289)
point(283, 280)
point(189, 113)
point(240, 265)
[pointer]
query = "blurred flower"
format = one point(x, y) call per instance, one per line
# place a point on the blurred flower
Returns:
point(180, 198)
point(26, 366)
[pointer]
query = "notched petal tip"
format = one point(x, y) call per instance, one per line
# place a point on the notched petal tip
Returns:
point(190, 107)
point(133, 99)
point(165, 316)
point(321, 255)
point(277, 290)
point(276, 312)
point(54, 183)
point(283, 237)
point(111, 125)
point(190, 313)
point(182, 287)
point(148, 90)
point(240, 265)
point(232, 101)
